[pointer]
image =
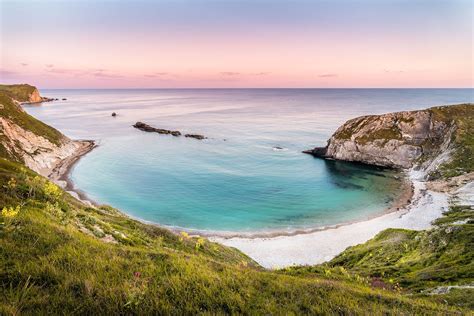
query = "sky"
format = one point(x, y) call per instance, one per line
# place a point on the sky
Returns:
point(237, 43)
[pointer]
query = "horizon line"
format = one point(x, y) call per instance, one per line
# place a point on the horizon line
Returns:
point(258, 88)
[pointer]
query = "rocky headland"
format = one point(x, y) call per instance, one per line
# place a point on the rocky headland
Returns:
point(426, 139)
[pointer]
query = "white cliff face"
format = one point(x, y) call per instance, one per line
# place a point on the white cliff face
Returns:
point(398, 140)
point(38, 153)
point(35, 96)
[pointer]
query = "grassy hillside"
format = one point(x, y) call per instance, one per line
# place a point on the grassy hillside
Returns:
point(58, 256)
point(19, 92)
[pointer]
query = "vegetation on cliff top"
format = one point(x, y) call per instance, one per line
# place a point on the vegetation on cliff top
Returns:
point(19, 92)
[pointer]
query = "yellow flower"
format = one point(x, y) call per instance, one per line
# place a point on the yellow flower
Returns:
point(52, 190)
point(184, 235)
point(199, 243)
point(10, 212)
point(11, 183)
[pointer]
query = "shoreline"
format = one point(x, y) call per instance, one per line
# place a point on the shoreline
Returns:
point(60, 174)
point(416, 208)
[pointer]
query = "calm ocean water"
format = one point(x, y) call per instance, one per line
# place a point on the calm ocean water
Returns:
point(236, 180)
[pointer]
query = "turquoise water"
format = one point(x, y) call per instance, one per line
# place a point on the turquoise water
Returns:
point(236, 180)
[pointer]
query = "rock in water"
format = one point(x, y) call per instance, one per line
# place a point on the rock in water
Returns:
point(196, 136)
point(147, 128)
point(114, 114)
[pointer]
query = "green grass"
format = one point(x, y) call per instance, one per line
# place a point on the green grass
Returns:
point(51, 261)
point(11, 111)
point(19, 92)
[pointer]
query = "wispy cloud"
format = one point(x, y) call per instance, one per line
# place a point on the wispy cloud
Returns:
point(393, 71)
point(328, 75)
point(102, 73)
point(5, 72)
point(24, 64)
point(97, 72)
point(49, 65)
point(229, 73)
point(263, 73)
point(156, 74)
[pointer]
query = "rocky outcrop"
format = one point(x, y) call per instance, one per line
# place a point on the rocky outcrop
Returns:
point(147, 128)
point(397, 140)
point(35, 97)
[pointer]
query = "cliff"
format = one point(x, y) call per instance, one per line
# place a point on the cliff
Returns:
point(428, 139)
point(23, 93)
point(26, 140)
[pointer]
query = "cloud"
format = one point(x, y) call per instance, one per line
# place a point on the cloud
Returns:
point(103, 74)
point(328, 75)
point(229, 73)
point(263, 73)
point(24, 64)
point(98, 72)
point(156, 74)
point(49, 65)
point(393, 71)
point(4, 72)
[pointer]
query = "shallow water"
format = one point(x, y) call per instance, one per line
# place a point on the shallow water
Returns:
point(236, 180)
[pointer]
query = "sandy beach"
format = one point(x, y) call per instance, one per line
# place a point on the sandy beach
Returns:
point(61, 171)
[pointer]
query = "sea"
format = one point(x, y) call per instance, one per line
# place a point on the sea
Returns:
point(249, 175)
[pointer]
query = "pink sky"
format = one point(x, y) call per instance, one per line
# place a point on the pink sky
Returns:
point(292, 44)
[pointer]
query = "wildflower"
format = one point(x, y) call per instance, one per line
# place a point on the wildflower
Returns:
point(52, 190)
point(137, 274)
point(11, 183)
point(199, 243)
point(10, 212)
